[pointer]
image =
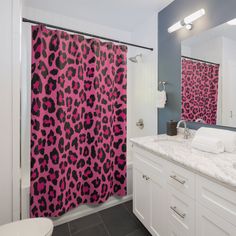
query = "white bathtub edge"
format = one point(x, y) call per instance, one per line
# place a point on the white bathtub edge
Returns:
point(78, 214)
point(82, 210)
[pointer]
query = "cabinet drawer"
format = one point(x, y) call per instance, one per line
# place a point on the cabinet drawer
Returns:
point(217, 198)
point(150, 157)
point(175, 230)
point(181, 179)
point(181, 213)
point(210, 224)
point(150, 170)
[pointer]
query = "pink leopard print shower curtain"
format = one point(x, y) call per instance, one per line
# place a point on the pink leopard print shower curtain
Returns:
point(199, 91)
point(78, 121)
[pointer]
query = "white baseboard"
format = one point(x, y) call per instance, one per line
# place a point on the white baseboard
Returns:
point(85, 210)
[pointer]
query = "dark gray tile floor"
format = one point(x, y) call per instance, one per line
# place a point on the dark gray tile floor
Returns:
point(115, 221)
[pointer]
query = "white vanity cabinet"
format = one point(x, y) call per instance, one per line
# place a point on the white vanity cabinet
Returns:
point(173, 201)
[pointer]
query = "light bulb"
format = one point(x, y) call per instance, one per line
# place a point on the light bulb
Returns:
point(175, 27)
point(189, 19)
point(232, 22)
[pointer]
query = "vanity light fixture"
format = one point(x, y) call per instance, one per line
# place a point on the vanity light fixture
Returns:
point(189, 26)
point(187, 21)
point(178, 25)
point(232, 22)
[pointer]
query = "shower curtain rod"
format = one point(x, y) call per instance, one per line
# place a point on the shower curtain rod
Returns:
point(86, 34)
point(195, 59)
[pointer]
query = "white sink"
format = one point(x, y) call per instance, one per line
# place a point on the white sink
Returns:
point(171, 144)
point(170, 141)
point(234, 165)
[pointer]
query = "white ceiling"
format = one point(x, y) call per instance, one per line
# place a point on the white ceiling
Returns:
point(120, 14)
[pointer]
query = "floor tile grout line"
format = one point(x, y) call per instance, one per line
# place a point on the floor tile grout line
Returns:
point(132, 215)
point(132, 232)
point(108, 233)
point(126, 208)
point(88, 227)
point(104, 224)
point(68, 225)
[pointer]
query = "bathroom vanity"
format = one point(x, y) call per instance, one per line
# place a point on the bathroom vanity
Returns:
point(179, 191)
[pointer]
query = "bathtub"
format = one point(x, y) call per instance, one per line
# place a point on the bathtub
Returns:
point(80, 211)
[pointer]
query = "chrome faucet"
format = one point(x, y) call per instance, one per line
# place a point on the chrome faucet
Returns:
point(186, 130)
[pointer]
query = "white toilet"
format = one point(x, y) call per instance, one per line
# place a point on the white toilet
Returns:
point(28, 227)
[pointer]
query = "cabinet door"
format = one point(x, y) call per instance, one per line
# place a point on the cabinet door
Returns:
point(157, 203)
point(175, 230)
point(208, 223)
point(140, 196)
point(149, 193)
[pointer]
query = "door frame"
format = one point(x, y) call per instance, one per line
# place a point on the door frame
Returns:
point(16, 107)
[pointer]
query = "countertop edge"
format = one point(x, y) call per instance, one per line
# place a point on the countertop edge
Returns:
point(195, 171)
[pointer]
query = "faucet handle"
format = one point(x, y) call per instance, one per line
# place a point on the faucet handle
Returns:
point(140, 123)
point(186, 133)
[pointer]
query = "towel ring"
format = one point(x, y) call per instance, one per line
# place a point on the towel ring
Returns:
point(163, 83)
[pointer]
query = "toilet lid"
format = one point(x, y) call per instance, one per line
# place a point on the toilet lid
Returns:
point(28, 227)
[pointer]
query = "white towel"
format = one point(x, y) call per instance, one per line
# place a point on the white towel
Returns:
point(227, 137)
point(161, 99)
point(207, 144)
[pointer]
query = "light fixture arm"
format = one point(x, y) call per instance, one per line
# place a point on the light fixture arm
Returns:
point(189, 26)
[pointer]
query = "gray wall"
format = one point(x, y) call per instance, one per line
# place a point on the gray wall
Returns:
point(169, 47)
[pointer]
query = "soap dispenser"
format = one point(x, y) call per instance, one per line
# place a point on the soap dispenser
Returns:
point(171, 129)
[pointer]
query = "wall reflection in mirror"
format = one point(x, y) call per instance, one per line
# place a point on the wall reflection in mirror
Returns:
point(209, 76)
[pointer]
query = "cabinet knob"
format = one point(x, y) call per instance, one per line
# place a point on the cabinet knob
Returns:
point(146, 177)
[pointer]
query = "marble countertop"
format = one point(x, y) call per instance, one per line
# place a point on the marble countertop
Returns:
point(221, 167)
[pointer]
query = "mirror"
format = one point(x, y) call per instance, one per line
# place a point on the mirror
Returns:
point(209, 76)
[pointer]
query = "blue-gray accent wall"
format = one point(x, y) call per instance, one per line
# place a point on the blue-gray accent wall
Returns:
point(169, 47)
